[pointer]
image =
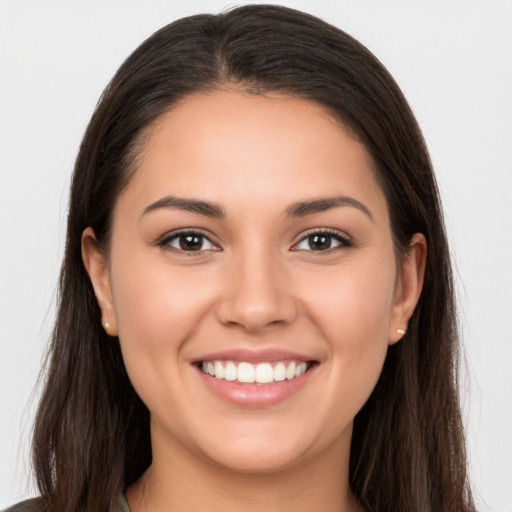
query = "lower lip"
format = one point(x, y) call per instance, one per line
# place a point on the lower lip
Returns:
point(255, 395)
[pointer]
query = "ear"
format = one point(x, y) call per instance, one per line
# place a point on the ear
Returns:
point(408, 287)
point(97, 267)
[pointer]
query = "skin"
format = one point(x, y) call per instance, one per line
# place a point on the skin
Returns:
point(258, 284)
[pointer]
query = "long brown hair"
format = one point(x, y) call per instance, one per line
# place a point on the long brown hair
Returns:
point(91, 436)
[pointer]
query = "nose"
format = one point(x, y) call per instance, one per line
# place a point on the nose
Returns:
point(257, 294)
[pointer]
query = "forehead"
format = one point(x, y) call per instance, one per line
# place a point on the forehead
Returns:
point(237, 147)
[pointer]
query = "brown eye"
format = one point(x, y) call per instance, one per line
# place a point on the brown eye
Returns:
point(189, 242)
point(322, 241)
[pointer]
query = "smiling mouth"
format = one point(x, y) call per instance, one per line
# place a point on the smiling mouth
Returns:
point(262, 373)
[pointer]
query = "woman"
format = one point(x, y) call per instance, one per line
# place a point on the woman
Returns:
point(256, 306)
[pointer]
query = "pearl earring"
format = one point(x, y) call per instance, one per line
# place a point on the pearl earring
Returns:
point(105, 325)
point(400, 331)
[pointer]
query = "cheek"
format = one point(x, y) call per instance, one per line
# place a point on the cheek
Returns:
point(353, 314)
point(154, 300)
point(354, 302)
point(157, 309)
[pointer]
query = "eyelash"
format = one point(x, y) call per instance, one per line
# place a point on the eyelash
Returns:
point(165, 242)
point(343, 241)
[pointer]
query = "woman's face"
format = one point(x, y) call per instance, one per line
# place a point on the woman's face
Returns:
point(253, 243)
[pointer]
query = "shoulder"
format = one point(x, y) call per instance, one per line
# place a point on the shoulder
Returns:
point(32, 505)
point(37, 505)
point(122, 504)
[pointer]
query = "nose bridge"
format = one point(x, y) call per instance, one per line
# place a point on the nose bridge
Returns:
point(256, 292)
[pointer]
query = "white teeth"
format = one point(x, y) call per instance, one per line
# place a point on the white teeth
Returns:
point(230, 372)
point(245, 372)
point(279, 372)
point(219, 370)
point(262, 373)
point(300, 369)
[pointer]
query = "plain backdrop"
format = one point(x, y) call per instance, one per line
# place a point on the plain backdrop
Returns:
point(453, 60)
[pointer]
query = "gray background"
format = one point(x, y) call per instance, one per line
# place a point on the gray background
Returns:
point(452, 58)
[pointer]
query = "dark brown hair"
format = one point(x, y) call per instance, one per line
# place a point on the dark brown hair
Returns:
point(91, 436)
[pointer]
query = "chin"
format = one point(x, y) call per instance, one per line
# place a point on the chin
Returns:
point(269, 449)
point(258, 461)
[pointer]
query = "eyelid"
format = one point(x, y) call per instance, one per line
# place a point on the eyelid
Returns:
point(344, 240)
point(164, 240)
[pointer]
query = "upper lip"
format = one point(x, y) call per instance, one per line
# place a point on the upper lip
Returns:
point(267, 355)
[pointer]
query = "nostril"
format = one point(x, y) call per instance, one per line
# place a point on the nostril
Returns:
point(255, 312)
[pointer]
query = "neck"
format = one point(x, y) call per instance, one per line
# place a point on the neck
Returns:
point(179, 481)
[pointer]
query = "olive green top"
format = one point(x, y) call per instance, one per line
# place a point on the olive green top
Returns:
point(34, 505)
point(122, 505)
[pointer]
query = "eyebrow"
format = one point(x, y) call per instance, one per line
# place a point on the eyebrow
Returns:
point(190, 205)
point(298, 209)
point(303, 208)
